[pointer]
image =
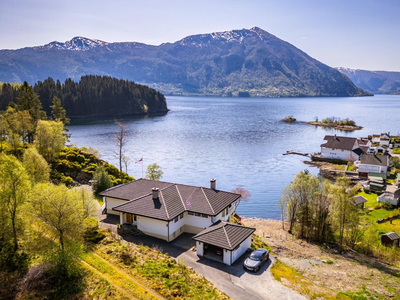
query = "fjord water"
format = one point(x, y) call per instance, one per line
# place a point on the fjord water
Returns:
point(238, 141)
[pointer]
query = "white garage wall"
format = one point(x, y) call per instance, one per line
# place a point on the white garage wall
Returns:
point(227, 257)
point(200, 248)
point(242, 249)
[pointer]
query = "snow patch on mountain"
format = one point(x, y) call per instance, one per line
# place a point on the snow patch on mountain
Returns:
point(76, 44)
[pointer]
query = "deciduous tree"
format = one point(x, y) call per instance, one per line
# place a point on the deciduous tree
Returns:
point(14, 189)
point(49, 138)
point(36, 166)
point(154, 172)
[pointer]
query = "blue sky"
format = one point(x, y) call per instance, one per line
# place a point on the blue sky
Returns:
point(361, 34)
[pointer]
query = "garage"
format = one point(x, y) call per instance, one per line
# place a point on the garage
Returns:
point(224, 242)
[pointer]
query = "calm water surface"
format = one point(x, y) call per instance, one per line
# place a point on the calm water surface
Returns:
point(238, 141)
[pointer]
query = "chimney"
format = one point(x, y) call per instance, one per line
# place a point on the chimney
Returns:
point(212, 183)
point(155, 192)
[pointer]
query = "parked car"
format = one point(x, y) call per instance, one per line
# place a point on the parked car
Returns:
point(256, 260)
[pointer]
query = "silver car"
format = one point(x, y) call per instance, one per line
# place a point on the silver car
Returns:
point(256, 259)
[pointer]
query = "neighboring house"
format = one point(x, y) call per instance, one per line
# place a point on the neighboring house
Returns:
point(339, 147)
point(384, 139)
point(390, 239)
point(391, 198)
point(359, 201)
point(166, 210)
point(364, 142)
point(376, 138)
point(372, 163)
point(231, 239)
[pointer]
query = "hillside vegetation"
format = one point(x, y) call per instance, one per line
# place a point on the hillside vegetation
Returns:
point(93, 96)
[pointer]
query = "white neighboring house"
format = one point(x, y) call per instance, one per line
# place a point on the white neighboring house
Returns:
point(372, 163)
point(384, 139)
point(340, 147)
point(391, 198)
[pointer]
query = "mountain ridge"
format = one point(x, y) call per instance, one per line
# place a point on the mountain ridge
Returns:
point(226, 63)
point(377, 82)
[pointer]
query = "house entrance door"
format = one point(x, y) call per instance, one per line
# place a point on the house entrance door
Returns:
point(129, 218)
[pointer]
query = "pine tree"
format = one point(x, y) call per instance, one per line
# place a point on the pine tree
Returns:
point(58, 112)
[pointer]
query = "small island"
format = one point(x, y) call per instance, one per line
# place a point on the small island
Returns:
point(289, 119)
point(337, 123)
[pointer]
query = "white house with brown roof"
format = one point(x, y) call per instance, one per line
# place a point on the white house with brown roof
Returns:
point(339, 147)
point(166, 210)
point(373, 163)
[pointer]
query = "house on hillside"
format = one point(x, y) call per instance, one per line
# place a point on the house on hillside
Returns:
point(166, 210)
point(372, 163)
point(339, 147)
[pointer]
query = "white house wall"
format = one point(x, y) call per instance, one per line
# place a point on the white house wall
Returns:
point(246, 244)
point(227, 257)
point(112, 202)
point(197, 221)
point(363, 168)
point(153, 227)
point(337, 153)
point(199, 248)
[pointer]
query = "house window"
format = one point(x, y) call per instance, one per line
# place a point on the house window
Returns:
point(181, 216)
point(190, 213)
point(197, 214)
point(176, 219)
point(226, 211)
point(134, 218)
point(204, 216)
point(223, 213)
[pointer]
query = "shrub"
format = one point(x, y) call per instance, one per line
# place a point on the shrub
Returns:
point(379, 193)
point(396, 150)
point(366, 190)
point(378, 206)
point(329, 262)
point(386, 205)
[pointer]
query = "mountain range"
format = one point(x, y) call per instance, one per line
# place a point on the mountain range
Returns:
point(377, 82)
point(247, 62)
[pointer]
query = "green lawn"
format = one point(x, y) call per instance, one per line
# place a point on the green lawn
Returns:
point(99, 199)
point(371, 197)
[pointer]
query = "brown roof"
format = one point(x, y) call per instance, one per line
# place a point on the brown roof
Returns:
point(339, 142)
point(373, 159)
point(224, 235)
point(360, 199)
point(173, 200)
point(392, 235)
point(362, 141)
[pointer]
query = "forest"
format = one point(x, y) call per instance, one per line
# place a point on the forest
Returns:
point(92, 96)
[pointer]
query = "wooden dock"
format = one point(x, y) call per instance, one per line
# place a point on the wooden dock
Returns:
point(296, 152)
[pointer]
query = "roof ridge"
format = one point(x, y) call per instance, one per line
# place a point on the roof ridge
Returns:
point(161, 196)
point(227, 237)
point(180, 197)
point(212, 209)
